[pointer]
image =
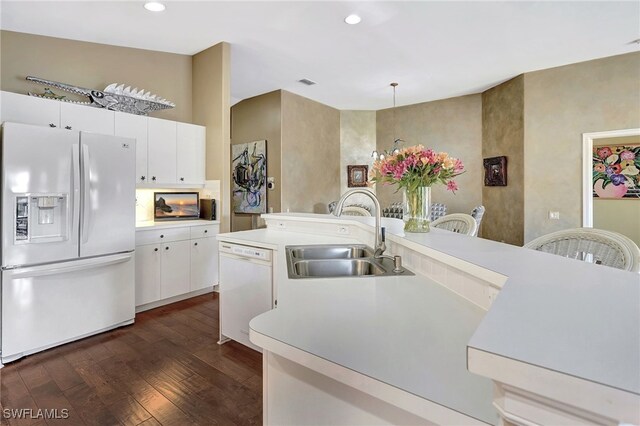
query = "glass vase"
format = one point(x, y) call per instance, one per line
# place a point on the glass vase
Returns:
point(417, 209)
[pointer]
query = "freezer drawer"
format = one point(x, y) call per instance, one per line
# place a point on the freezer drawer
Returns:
point(46, 306)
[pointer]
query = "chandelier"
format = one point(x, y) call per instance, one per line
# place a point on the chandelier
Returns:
point(396, 141)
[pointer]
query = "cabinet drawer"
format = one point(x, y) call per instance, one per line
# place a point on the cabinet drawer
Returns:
point(203, 231)
point(155, 236)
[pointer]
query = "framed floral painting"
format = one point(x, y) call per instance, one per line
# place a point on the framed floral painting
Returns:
point(616, 172)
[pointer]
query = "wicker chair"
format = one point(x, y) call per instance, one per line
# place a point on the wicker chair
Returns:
point(355, 210)
point(457, 222)
point(591, 245)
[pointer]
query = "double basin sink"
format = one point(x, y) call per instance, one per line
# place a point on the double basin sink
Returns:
point(337, 260)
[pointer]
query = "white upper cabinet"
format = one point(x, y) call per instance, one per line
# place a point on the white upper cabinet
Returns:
point(162, 151)
point(86, 119)
point(168, 154)
point(191, 154)
point(29, 110)
point(135, 126)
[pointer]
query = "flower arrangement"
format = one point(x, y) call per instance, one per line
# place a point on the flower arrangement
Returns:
point(416, 169)
point(617, 166)
point(416, 166)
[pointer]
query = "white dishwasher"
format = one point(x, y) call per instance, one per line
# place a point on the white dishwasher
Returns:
point(246, 289)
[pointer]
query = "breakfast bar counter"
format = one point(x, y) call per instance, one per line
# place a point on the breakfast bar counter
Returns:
point(562, 333)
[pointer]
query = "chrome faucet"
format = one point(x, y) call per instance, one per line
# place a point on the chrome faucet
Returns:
point(380, 245)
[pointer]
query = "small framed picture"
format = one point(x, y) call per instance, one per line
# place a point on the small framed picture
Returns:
point(357, 176)
point(495, 171)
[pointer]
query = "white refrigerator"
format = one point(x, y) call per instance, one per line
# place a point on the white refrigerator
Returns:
point(68, 236)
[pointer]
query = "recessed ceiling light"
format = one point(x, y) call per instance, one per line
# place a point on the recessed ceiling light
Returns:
point(154, 6)
point(352, 19)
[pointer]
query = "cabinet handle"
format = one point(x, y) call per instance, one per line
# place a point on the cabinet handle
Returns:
point(182, 179)
point(155, 249)
point(153, 178)
point(142, 178)
point(162, 236)
point(67, 127)
point(52, 125)
point(166, 248)
point(206, 230)
point(195, 244)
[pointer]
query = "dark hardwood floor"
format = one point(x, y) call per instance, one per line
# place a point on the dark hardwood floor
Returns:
point(165, 369)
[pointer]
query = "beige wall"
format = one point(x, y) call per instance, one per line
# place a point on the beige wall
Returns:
point(453, 125)
point(310, 154)
point(357, 142)
point(254, 119)
point(94, 66)
point(503, 134)
point(211, 106)
point(560, 105)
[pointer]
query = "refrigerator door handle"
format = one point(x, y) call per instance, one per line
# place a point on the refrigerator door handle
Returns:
point(75, 188)
point(86, 198)
point(45, 270)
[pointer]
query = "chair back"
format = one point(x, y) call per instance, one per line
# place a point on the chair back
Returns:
point(394, 210)
point(438, 210)
point(461, 223)
point(591, 245)
point(477, 213)
point(355, 210)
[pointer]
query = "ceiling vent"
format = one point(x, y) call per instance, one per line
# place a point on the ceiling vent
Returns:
point(307, 82)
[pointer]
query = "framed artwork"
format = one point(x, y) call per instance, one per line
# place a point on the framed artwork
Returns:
point(357, 176)
point(616, 172)
point(495, 171)
point(249, 169)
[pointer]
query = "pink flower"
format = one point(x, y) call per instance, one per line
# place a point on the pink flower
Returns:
point(604, 152)
point(458, 166)
point(627, 155)
point(452, 186)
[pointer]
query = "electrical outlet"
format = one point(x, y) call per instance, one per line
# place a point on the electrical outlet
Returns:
point(554, 215)
point(343, 230)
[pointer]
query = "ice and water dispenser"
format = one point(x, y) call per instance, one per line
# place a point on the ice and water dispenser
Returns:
point(42, 218)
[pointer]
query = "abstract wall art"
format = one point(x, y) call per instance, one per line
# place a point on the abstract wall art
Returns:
point(249, 169)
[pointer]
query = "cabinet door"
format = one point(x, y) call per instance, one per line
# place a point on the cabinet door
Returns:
point(161, 151)
point(135, 126)
point(86, 119)
point(148, 260)
point(175, 269)
point(190, 154)
point(24, 109)
point(204, 263)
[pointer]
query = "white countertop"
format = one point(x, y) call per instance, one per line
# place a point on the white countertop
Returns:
point(563, 315)
point(408, 332)
point(173, 224)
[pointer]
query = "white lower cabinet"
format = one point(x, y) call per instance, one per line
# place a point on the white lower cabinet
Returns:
point(174, 262)
point(147, 274)
point(204, 262)
point(174, 269)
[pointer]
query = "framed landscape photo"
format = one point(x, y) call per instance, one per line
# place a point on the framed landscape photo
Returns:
point(495, 171)
point(357, 175)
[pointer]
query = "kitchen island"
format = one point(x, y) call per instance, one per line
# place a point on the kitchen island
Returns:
point(395, 349)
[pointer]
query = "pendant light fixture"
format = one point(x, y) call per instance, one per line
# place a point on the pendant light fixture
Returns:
point(394, 148)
